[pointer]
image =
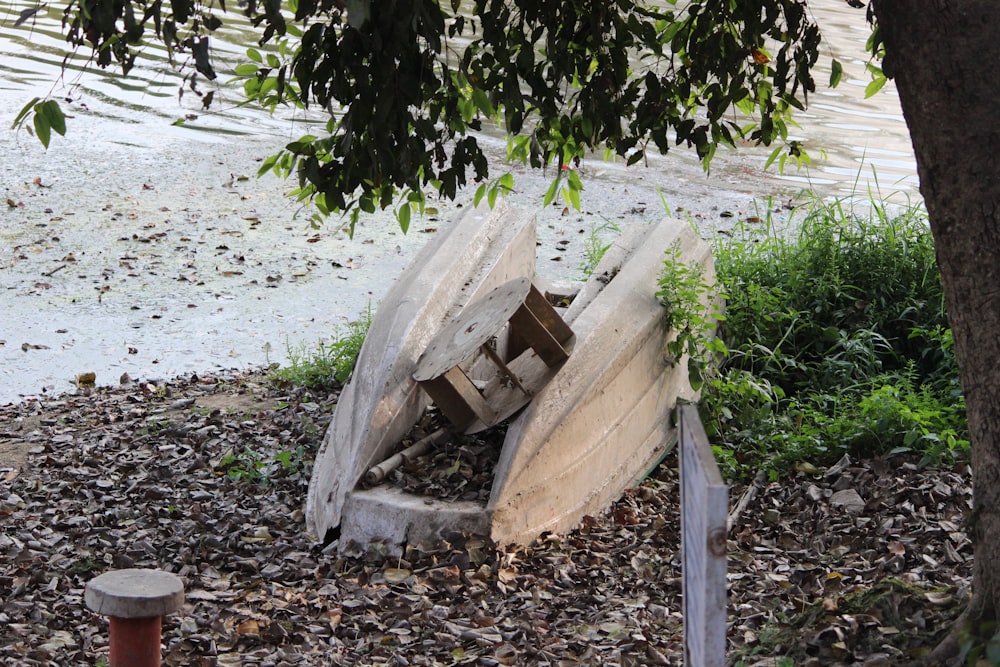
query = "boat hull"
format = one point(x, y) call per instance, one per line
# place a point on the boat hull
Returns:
point(605, 419)
point(381, 402)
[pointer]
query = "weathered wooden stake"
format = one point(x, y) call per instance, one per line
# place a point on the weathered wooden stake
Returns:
point(704, 510)
point(136, 601)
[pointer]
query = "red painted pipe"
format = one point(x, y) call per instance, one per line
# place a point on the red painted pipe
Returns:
point(135, 642)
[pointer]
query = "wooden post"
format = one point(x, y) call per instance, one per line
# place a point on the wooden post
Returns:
point(704, 510)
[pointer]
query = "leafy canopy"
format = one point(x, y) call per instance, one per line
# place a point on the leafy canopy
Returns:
point(407, 84)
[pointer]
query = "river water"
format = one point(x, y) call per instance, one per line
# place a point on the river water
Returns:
point(134, 246)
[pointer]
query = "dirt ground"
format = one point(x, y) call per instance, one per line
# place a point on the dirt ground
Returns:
point(865, 563)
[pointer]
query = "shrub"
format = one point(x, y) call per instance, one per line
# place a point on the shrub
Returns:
point(839, 343)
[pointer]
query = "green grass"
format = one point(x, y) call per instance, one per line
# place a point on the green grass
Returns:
point(330, 363)
point(838, 343)
point(256, 467)
point(596, 245)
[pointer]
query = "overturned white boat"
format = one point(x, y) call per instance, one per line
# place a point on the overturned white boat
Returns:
point(588, 389)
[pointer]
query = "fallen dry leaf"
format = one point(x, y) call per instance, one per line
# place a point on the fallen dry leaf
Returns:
point(133, 477)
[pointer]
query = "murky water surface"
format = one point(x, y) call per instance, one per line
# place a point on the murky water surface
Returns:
point(133, 246)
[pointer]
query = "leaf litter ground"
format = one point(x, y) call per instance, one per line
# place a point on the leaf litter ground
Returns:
point(865, 563)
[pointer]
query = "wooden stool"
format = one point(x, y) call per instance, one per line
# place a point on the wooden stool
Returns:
point(534, 325)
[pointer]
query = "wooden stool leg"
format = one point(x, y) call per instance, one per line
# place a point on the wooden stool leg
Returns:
point(542, 312)
point(547, 316)
point(458, 399)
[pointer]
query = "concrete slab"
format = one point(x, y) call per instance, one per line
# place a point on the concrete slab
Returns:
point(389, 515)
point(134, 593)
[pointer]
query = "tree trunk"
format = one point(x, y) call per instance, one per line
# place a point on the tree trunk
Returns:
point(945, 58)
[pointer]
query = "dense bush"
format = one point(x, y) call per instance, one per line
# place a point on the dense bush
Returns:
point(838, 343)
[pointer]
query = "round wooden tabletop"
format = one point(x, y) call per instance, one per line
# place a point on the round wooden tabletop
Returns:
point(475, 325)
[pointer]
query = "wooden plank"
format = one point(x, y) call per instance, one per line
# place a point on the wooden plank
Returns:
point(527, 325)
point(547, 315)
point(541, 313)
point(704, 509)
point(458, 399)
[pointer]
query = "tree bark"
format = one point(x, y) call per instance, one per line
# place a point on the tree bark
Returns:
point(945, 58)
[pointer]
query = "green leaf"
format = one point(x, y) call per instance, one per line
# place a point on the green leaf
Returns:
point(42, 128)
point(482, 102)
point(695, 377)
point(23, 113)
point(875, 86)
point(268, 164)
point(246, 69)
point(774, 156)
point(269, 84)
point(574, 180)
point(403, 216)
point(506, 182)
point(254, 55)
point(836, 72)
point(746, 105)
point(52, 112)
point(572, 197)
point(550, 194)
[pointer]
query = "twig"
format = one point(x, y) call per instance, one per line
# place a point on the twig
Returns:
point(49, 273)
point(748, 495)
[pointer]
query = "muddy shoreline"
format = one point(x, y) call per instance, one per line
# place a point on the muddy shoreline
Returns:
point(172, 257)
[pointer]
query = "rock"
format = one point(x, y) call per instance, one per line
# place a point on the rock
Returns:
point(849, 500)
